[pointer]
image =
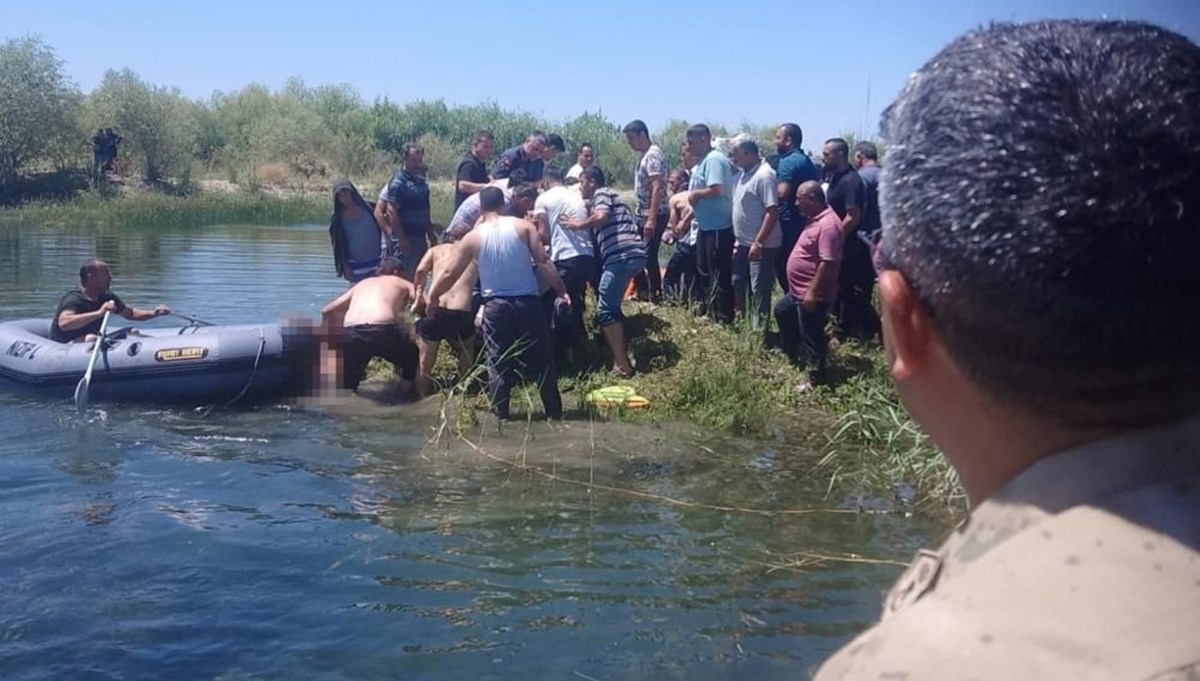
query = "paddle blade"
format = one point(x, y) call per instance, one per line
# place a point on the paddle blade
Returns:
point(81, 392)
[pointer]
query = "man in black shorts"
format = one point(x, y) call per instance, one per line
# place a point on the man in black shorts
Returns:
point(81, 310)
point(454, 322)
point(371, 326)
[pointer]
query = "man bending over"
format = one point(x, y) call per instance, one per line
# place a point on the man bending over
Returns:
point(370, 327)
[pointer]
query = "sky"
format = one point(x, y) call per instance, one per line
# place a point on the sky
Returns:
point(832, 67)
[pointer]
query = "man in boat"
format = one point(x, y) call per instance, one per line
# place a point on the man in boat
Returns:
point(1040, 319)
point(81, 311)
point(455, 321)
point(516, 333)
point(368, 324)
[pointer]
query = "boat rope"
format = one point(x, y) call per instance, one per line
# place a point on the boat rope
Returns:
point(262, 345)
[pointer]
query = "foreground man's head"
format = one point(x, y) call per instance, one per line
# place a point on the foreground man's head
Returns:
point(1041, 313)
point(1041, 209)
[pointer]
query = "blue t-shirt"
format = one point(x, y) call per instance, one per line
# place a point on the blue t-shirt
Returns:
point(409, 193)
point(795, 168)
point(715, 213)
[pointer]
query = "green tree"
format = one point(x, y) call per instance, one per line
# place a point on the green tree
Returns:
point(157, 122)
point(38, 107)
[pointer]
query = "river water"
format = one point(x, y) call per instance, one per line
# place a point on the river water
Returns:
point(290, 542)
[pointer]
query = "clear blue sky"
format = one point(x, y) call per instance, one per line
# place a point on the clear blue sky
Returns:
point(700, 60)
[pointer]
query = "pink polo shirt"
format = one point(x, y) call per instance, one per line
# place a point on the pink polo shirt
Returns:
point(821, 241)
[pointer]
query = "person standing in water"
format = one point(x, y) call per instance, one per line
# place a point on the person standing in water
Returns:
point(366, 321)
point(455, 321)
point(358, 240)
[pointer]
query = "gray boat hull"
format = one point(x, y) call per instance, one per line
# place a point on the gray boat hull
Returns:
point(189, 364)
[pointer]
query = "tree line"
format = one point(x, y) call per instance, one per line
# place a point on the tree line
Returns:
point(255, 135)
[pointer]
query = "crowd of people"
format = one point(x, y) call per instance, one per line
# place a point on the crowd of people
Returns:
point(738, 223)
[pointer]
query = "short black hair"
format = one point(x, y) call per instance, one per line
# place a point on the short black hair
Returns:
point(867, 150)
point(389, 266)
point(594, 174)
point(410, 147)
point(841, 145)
point(526, 191)
point(1043, 200)
point(517, 177)
point(491, 199)
point(91, 266)
point(553, 174)
point(587, 145)
point(794, 133)
point(484, 134)
point(698, 130)
point(636, 127)
point(556, 141)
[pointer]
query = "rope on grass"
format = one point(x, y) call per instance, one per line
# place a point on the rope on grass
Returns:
point(514, 465)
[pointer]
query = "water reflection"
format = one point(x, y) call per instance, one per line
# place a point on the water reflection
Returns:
point(332, 541)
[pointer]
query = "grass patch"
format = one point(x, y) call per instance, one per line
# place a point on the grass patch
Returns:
point(873, 444)
point(151, 209)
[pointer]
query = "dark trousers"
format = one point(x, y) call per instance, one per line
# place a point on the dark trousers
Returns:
point(790, 230)
point(714, 272)
point(516, 337)
point(856, 316)
point(576, 273)
point(649, 283)
point(799, 330)
point(680, 280)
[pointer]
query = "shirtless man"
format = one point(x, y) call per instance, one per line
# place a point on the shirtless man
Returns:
point(370, 326)
point(454, 323)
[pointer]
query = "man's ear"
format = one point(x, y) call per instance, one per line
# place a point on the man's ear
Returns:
point(908, 328)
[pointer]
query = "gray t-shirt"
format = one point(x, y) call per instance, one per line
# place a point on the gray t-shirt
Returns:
point(363, 238)
point(652, 163)
point(755, 191)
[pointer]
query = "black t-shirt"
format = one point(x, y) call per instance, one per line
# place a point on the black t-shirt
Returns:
point(77, 302)
point(470, 169)
point(845, 192)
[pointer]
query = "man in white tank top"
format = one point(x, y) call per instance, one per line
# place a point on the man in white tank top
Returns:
point(516, 333)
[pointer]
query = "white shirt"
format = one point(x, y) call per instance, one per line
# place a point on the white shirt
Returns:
point(558, 203)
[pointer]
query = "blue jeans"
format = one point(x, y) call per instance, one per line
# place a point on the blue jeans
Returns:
point(614, 279)
point(758, 277)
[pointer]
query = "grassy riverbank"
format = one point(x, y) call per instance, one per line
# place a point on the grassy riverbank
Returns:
point(151, 209)
point(723, 379)
point(222, 204)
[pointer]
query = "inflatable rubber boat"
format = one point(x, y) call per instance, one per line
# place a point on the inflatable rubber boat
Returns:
point(194, 363)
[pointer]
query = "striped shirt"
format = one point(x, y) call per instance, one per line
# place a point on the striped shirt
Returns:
point(618, 238)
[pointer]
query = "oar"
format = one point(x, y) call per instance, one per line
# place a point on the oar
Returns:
point(85, 383)
point(198, 322)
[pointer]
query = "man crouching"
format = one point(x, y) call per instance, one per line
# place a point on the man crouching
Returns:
point(364, 322)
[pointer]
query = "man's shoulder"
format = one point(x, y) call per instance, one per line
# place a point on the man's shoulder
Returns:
point(1095, 590)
